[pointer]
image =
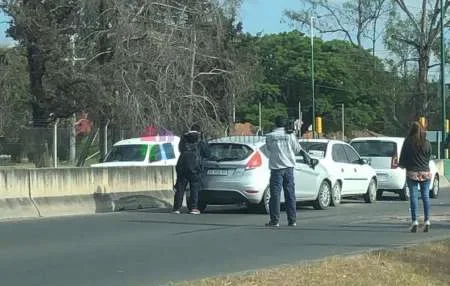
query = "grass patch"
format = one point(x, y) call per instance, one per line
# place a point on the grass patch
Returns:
point(424, 264)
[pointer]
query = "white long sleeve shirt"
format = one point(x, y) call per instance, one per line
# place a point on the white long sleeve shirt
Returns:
point(282, 149)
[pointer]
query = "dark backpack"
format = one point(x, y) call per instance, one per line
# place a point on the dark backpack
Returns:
point(190, 158)
point(193, 151)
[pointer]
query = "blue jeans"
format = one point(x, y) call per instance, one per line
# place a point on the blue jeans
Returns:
point(414, 200)
point(282, 179)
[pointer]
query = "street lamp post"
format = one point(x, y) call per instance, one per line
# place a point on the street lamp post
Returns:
point(312, 79)
point(443, 115)
point(342, 121)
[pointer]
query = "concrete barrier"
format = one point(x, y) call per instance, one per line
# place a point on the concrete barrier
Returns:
point(15, 200)
point(72, 191)
point(140, 187)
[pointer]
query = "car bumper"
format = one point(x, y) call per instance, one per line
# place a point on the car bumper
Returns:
point(231, 194)
point(390, 180)
point(221, 197)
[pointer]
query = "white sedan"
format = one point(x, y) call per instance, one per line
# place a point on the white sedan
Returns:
point(347, 173)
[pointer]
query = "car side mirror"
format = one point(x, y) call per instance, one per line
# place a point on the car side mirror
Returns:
point(313, 163)
point(363, 161)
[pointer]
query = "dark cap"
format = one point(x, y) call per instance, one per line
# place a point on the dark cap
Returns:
point(280, 121)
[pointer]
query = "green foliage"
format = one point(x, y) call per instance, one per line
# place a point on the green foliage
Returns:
point(250, 113)
point(343, 73)
point(14, 91)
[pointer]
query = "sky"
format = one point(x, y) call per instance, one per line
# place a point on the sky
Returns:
point(3, 26)
point(266, 16)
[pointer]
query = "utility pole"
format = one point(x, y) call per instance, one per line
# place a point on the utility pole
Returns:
point(443, 83)
point(73, 138)
point(343, 121)
point(312, 79)
point(260, 117)
point(299, 124)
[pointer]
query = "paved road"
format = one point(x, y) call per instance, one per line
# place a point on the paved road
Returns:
point(154, 247)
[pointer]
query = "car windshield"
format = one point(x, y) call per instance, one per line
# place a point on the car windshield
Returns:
point(127, 153)
point(229, 152)
point(373, 148)
point(315, 149)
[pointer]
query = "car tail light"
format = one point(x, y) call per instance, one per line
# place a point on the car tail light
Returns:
point(255, 161)
point(394, 162)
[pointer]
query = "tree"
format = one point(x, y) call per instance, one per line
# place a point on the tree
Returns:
point(416, 32)
point(355, 20)
point(43, 28)
point(13, 91)
point(152, 62)
point(344, 74)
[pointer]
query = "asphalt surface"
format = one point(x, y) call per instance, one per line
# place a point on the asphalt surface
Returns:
point(154, 247)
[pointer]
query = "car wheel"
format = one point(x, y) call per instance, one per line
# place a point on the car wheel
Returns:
point(371, 195)
point(379, 195)
point(323, 197)
point(336, 194)
point(404, 193)
point(434, 192)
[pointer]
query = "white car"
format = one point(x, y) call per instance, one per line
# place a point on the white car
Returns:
point(143, 151)
point(238, 172)
point(348, 173)
point(383, 153)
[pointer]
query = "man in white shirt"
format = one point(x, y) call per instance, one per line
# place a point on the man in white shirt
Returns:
point(282, 149)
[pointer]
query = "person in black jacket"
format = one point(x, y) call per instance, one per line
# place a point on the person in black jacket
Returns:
point(193, 150)
point(415, 157)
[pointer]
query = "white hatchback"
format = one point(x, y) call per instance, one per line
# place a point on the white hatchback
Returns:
point(143, 151)
point(383, 154)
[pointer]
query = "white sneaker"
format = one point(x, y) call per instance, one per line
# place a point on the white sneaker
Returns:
point(176, 212)
point(194, 211)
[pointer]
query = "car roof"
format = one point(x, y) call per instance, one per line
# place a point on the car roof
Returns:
point(381, 138)
point(322, 140)
point(254, 141)
point(148, 140)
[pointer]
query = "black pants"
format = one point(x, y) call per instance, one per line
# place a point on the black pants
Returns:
point(195, 182)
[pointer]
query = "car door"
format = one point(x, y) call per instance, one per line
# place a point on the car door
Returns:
point(357, 172)
point(306, 179)
point(342, 165)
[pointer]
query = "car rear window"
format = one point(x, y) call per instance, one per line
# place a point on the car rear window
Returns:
point(315, 149)
point(127, 153)
point(229, 151)
point(372, 148)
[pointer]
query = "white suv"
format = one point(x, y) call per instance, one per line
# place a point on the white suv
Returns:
point(383, 153)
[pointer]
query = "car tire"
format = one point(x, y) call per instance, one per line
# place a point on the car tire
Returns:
point(336, 195)
point(404, 193)
point(379, 195)
point(434, 192)
point(323, 197)
point(371, 195)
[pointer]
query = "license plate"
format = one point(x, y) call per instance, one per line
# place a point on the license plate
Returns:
point(217, 172)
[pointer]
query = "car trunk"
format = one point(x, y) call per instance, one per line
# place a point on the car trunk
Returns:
point(229, 159)
point(380, 154)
